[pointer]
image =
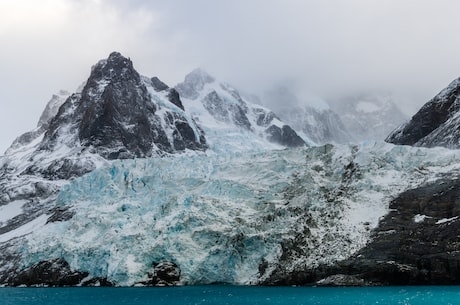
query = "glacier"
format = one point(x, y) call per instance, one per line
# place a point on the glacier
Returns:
point(228, 218)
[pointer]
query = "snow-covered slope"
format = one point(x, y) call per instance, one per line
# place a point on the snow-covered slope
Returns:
point(52, 107)
point(435, 124)
point(369, 116)
point(230, 121)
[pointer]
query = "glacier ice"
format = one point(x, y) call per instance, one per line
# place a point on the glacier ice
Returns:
point(221, 216)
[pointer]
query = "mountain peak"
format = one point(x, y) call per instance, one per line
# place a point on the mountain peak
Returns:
point(52, 107)
point(115, 67)
point(199, 74)
point(115, 115)
point(194, 82)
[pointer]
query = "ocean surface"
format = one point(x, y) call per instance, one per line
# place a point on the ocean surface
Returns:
point(432, 295)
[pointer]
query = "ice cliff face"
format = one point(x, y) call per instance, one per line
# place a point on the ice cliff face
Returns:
point(241, 218)
point(435, 124)
point(220, 109)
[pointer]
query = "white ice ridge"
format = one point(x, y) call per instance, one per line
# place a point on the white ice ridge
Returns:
point(219, 217)
point(444, 220)
point(28, 228)
point(420, 218)
point(11, 210)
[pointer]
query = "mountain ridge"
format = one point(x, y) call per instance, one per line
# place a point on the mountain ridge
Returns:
point(218, 103)
point(436, 122)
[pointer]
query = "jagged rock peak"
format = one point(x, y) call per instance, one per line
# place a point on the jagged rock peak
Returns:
point(435, 124)
point(158, 85)
point(116, 115)
point(199, 76)
point(194, 82)
point(115, 67)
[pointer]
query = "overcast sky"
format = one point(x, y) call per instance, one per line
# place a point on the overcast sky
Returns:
point(328, 47)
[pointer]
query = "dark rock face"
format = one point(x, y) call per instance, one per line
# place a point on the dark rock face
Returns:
point(435, 124)
point(49, 273)
point(122, 125)
point(285, 136)
point(415, 244)
point(226, 112)
point(173, 97)
point(164, 274)
point(60, 213)
point(338, 280)
point(158, 85)
point(65, 168)
point(52, 273)
point(264, 118)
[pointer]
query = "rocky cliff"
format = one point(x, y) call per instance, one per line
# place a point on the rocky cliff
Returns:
point(435, 124)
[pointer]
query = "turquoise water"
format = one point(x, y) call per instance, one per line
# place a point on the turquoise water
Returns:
point(433, 295)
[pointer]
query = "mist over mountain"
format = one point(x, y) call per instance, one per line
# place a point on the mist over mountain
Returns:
point(131, 182)
point(216, 104)
point(349, 119)
point(369, 116)
point(313, 117)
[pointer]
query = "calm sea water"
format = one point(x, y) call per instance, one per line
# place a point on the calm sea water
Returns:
point(435, 295)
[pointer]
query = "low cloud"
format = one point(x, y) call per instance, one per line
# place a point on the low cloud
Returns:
point(328, 48)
